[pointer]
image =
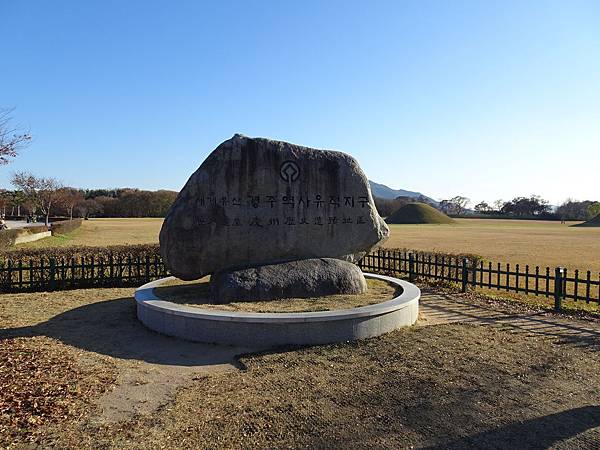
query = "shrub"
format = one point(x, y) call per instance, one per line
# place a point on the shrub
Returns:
point(34, 229)
point(8, 237)
point(473, 258)
point(78, 252)
point(65, 226)
point(41, 269)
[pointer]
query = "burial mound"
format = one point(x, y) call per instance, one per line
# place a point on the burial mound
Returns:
point(418, 213)
point(594, 222)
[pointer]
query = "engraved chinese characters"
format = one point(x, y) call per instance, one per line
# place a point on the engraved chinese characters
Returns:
point(314, 209)
point(259, 201)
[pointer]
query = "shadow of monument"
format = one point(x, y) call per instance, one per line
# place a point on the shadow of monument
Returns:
point(538, 433)
point(111, 328)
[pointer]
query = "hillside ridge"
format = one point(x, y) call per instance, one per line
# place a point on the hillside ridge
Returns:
point(382, 191)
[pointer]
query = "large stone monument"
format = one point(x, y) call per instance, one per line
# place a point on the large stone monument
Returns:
point(270, 219)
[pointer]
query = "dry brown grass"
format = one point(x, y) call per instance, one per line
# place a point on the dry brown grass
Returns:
point(104, 232)
point(198, 294)
point(446, 386)
point(542, 243)
point(454, 386)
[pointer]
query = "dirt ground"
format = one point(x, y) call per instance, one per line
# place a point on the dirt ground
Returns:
point(438, 386)
point(98, 328)
point(198, 294)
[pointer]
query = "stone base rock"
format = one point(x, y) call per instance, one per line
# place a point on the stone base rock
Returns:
point(295, 279)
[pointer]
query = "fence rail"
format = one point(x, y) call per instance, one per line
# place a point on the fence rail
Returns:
point(557, 283)
point(86, 272)
point(47, 274)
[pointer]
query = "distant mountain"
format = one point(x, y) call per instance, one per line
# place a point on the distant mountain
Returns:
point(383, 191)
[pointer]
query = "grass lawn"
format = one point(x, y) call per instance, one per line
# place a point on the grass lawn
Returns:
point(103, 232)
point(542, 243)
point(73, 362)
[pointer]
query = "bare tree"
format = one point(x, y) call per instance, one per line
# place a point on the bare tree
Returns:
point(461, 203)
point(43, 193)
point(89, 207)
point(11, 140)
point(49, 194)
point(498, 204)
point(455, 205)
point(447, 207)
point(483, 207)
point(27, 184)
point(69, 198)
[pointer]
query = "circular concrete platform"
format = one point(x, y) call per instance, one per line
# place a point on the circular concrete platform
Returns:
point(277, 329)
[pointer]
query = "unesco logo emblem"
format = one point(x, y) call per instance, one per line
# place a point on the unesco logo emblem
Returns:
point(289, 171)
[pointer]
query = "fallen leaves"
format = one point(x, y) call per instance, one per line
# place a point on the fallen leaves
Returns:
point(41, 383)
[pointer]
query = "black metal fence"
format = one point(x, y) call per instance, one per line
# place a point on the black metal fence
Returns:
point(130, 270)
point(557, 283)
point(85, 272)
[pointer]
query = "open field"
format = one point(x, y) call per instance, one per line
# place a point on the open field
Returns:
point(541, 243)
point(114, 384)
point(102, 232)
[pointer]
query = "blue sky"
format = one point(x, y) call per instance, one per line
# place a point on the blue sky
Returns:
point(485, 99)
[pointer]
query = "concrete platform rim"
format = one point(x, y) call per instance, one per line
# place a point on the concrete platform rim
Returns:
point(146, 298)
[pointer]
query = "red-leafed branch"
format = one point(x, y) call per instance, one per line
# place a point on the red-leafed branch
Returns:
point(11, 139)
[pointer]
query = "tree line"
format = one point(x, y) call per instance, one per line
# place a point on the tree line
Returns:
point(576, 210)
point(530, 206)
point(35, 196)
point(533, 206)
point(537, 206)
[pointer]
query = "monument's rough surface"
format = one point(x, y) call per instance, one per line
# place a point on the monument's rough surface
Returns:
point(296, 279)
point(257, 201)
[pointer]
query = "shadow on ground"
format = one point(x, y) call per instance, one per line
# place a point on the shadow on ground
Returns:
point(443, 308)
point(542, 432)
point(111, 328)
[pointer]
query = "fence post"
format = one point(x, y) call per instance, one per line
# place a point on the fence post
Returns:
point(558, 288)
point(52, 278)
point(411, 267)
point(465, 274)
